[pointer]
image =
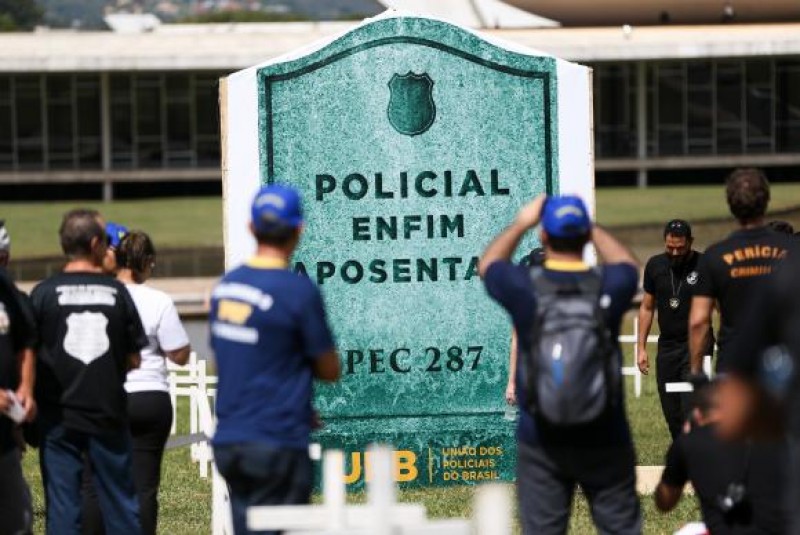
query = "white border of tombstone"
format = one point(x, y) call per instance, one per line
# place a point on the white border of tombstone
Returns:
point(241, 173)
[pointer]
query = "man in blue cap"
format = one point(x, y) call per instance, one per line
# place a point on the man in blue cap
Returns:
point(271, 338)
point(572, 428)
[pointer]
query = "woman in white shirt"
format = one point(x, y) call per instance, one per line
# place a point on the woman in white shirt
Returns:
point(149, 405)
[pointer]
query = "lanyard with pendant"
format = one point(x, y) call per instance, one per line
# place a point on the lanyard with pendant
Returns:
point(675, 301)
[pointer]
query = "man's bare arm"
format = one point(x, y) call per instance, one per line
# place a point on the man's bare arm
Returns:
point(646, 313)
point(326, 367)
point(504, 245)
point(134, 361)
point(667, 497)
point(181, 355)
point(511, 386)
point(699, 330)
point(27, 379)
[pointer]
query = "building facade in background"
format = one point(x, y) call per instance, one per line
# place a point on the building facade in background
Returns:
point(112, 110)
point(651, 12)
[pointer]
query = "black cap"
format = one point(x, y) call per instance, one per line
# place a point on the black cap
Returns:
point(678, 227)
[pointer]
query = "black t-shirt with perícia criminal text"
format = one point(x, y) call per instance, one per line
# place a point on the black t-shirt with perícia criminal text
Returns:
point(768, 351)
point(712, 465)
point(734, 271)
point(17, 332)
point(672, 287)
point(88, 328)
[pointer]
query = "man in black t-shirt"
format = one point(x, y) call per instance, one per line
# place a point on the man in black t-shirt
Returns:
point(738, 484)
point(27, 365)
point(761, 392)
point(17, 340)
point(734, 270)
point(90, 336)
point(669, 279)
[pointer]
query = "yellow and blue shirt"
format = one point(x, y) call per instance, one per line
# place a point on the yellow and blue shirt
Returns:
point(268, 326)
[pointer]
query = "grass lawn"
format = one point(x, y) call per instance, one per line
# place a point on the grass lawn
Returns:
point(195, 222)
point(179, 222)
point(186, 499)
point(658, 204)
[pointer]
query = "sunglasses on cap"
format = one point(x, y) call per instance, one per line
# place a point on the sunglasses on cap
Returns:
point(678, 227)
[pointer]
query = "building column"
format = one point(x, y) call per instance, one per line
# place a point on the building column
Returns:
point(641, 123)
point(105, 132)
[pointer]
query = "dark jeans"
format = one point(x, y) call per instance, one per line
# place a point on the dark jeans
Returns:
point(62, 456)
point(15, 498)
point(150, 416)
point(91, 516)
point(672, 366)
point(546, 481)
point(258, 474)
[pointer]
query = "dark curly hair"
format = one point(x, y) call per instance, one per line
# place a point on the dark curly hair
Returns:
point(747, 191)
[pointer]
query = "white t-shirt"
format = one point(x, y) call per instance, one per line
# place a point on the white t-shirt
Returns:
point(164, 333)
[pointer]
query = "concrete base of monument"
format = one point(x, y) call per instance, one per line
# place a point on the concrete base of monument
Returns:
point(429, 451)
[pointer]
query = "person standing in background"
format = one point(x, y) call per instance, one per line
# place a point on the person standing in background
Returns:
point(734, 271)
point(92, 518)
point(597, 452)
point(17, 342)
point(669, 279)
point(149, 404)
point(27, 363)
point(90, 337)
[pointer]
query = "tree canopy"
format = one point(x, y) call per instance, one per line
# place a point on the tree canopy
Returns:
point(17, 15)
point(243, 16)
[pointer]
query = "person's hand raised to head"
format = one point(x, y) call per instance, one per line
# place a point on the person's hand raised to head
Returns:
point(531, 214)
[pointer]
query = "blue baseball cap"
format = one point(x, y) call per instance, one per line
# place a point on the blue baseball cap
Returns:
point(115, 233)
point(566, 217)
point(276, 206)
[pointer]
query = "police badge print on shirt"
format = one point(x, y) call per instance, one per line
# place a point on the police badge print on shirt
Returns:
point(86, 338)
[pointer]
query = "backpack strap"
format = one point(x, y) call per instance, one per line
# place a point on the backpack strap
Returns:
point(588, 285)
point(593, 283)
point(542, 285)
point(546, 288)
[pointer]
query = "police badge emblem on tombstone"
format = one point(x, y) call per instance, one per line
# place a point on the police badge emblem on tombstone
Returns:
point(86, 338)
point(411, 108)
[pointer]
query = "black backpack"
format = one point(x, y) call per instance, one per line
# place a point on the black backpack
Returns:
point(571, 368)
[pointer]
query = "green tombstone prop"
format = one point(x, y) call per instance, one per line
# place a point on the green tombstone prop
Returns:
point(413, 142)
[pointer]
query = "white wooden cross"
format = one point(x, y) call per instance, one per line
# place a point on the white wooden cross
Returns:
point(382, 515)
